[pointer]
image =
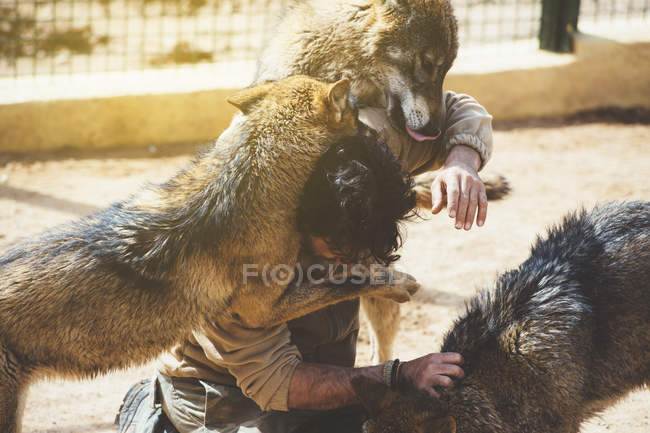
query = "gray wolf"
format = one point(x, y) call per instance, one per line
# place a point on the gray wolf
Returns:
point(396, 53)
point(119, 287)
point(558, 340)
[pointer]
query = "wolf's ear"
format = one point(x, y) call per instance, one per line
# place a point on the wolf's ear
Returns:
point(245, 99)
point(338, 98)
point(374, 396)
point(443, 425)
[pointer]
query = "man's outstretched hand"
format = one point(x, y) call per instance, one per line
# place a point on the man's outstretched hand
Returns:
point(458, 186)
point(434, 369)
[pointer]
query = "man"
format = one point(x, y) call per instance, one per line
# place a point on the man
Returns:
point(228, 378)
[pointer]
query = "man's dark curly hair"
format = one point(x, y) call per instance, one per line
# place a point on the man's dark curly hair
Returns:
point(356, 199)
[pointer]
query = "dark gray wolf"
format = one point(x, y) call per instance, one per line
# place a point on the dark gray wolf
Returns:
point(121, 286)
point(558, 340)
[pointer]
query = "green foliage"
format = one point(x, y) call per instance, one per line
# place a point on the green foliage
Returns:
point(14, 29)
point(21, 37)
point(185, 7)
point(77, 41)
point(182, 53)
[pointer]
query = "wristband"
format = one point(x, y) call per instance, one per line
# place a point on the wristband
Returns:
point(396, 381)
point(393, 374)
point(387, 373)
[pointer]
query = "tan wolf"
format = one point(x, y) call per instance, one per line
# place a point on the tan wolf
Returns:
point(559, 339)
point(119, 287)
point(396, 54)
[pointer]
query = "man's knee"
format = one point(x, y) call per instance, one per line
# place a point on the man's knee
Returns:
point(199, 406)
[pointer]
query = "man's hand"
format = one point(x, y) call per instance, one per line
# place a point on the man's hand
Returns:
point(435, 369)
point(325, 387)
point(458, 185)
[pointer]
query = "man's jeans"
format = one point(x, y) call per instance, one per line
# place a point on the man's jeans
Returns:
point(196, 406)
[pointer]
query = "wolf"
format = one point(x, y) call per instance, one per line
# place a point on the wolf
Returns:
point(119, 287)
point(396, 54)
point(558, 340)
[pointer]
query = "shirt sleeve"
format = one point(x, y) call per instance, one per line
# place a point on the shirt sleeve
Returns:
point(261, 360)
point(465, 122)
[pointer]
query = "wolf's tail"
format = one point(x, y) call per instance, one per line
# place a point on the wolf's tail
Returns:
point(496, 187)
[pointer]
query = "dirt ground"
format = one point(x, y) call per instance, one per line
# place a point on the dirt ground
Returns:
point(553, 168)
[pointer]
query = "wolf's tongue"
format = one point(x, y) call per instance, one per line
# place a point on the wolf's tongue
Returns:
point(419, 137)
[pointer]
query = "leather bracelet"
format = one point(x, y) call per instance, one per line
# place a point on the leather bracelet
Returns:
point(387, 373)
point(393, 374)
point(396, 381)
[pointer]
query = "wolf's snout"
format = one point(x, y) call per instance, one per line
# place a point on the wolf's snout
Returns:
point(413, 114)
point(431, 131)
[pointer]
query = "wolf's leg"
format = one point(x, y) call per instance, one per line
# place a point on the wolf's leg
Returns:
point(21, 397)
point(422, 187)
point(12, 392)
point(299, 300)
point(384, 318)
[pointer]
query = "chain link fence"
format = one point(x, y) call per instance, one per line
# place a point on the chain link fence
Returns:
point(72, 36)
point(610, 10)
point(50, 37)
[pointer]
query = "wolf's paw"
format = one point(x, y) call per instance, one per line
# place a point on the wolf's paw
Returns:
point(395, 285)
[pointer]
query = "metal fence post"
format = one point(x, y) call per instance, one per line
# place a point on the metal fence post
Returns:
point(559, 20)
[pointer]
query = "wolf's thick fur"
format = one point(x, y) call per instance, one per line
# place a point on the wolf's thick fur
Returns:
point(559, 339)
point(119, 287)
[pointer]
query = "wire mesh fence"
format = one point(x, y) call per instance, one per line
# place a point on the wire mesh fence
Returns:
point(49, 37)
point(609, 10)
point(71, 36)
point(497, 21)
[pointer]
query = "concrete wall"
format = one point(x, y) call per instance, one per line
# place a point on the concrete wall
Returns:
point(602, 72)
point(115, 121)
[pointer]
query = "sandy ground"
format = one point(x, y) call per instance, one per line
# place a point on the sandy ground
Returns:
point(553, 168)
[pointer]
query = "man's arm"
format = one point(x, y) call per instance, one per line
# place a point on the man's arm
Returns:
point(324, 387)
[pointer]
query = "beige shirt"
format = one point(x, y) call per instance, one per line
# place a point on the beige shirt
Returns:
point(261, 362)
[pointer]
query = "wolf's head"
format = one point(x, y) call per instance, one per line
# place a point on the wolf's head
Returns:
point(392, 412)
point(414, 49)
point(300, 102)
